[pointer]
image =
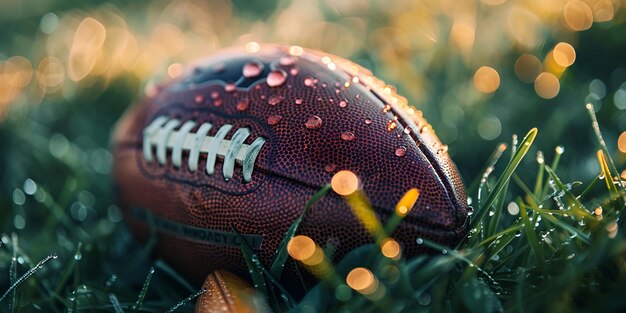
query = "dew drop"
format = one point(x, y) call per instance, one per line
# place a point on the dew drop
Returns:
point(324, 85)
point(368, 121)
point(293, 71)
point(275, 99)
point(230, 87)
point(218, 102)
point(330, 167)
point(391, 125)
point(274, 119)
point(198, 99)
point(215, 95)
point(401, 151)
point(407, 130)
point(313, 122)
point(252, 69)
point(287, 61)
point(419, 241)
point(309, 81)
point(242, 105)
point(343, 103)
point(444, 251)
point(337, 91)
point(276, 78)
point(386, 108)
point(298, 100)
point(347, 136)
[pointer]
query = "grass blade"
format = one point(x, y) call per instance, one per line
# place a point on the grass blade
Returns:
point(574, 205)
point(532, 237)
point(607, 175)
point(596, 129)
point(506, 175)
point(144, 290)
point(281, 254)
point(493, 159)
point(26, 275)
point(255, 266)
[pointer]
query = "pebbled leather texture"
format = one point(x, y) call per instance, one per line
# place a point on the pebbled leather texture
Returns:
point(327, 115)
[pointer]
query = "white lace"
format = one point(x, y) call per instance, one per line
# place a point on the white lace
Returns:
point(164, 133)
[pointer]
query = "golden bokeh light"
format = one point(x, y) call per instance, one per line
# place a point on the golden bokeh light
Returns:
point(550, 65)
point(51, 74)
point(547, 85)
point(527, 67)
point(18, 71)
point(362, 280)
point(390, 248)
point(167, 39)
point(301, 247)
point(603, 11)
point(598, 211)
point(407, 202)
point(577, 15)
point(345, 183)
point(86, 48)
point(564, 54)
point(174, 70)
point(486, 79)
point(252, 47)
point(296, 50)
point(621, 142)
point(462, 35)
point(524, 27)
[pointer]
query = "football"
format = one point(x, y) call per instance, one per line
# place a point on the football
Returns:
point(229, 151)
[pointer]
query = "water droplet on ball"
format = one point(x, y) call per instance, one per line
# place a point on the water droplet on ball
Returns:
point(274, 119)
point(275, 99)
point(242, 105)
point(313, 122)
point(276, 78)
point(309, 81)
point(252, 69)
point(347, 136)
point(401, 151)
point(330, 167)
point(287, 60)
point(230, 87)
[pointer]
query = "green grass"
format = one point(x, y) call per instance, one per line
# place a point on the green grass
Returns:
point(538, 243)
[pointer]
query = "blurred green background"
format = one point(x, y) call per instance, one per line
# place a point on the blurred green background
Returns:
point(479, 70)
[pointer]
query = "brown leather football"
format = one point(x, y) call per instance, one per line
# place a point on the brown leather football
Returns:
point(244, 138)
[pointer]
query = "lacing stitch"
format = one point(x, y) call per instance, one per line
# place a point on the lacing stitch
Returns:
point(164, 133)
